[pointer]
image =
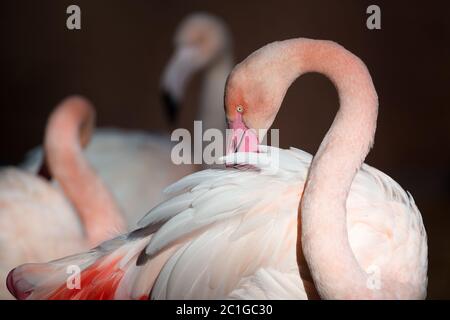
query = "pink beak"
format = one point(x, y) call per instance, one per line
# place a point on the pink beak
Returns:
point(242, 138)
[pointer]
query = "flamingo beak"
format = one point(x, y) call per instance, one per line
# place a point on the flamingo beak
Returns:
point(182, 66)
point(242, 138)
point(171, 107)
point(11, 285)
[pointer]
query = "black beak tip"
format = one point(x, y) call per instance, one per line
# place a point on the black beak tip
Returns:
point(10, 283)
point(12, 289)
point(170, 107)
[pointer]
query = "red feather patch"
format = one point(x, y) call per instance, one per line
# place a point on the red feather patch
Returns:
point(98, 282)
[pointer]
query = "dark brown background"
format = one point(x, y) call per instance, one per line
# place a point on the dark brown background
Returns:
point(117, 58)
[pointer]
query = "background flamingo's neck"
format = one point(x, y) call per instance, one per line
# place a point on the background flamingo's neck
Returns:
point(71, 122)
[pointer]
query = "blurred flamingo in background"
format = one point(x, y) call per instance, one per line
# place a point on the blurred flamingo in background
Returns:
point(202, 42)
point(38, 222)
point(137, 166)
point(278, 224)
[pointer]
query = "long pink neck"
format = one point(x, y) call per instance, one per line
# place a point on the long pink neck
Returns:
point(325, 243)
point(72, 123)
point(324, 235)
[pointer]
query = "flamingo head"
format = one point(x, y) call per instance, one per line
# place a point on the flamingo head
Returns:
point(253, 95)
point(199, 41)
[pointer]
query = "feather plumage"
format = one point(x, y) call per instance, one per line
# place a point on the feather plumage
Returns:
point(221, 243)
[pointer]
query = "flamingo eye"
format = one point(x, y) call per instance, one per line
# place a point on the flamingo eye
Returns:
point(240, 109)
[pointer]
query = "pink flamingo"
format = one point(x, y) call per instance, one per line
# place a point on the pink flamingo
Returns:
point(286, 227)
point(37, 222)
point(355, 220)
point(142, 159)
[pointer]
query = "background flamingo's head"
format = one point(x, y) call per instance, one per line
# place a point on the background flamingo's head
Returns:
point(75, 115)
point(255, 90)
point(200, 40)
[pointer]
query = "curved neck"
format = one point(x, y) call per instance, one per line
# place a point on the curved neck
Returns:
point(324, 235)
point(70, 124)
point(212, 91)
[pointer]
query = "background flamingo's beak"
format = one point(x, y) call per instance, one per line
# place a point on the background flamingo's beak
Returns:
point(171, 107)
point(182, 66)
